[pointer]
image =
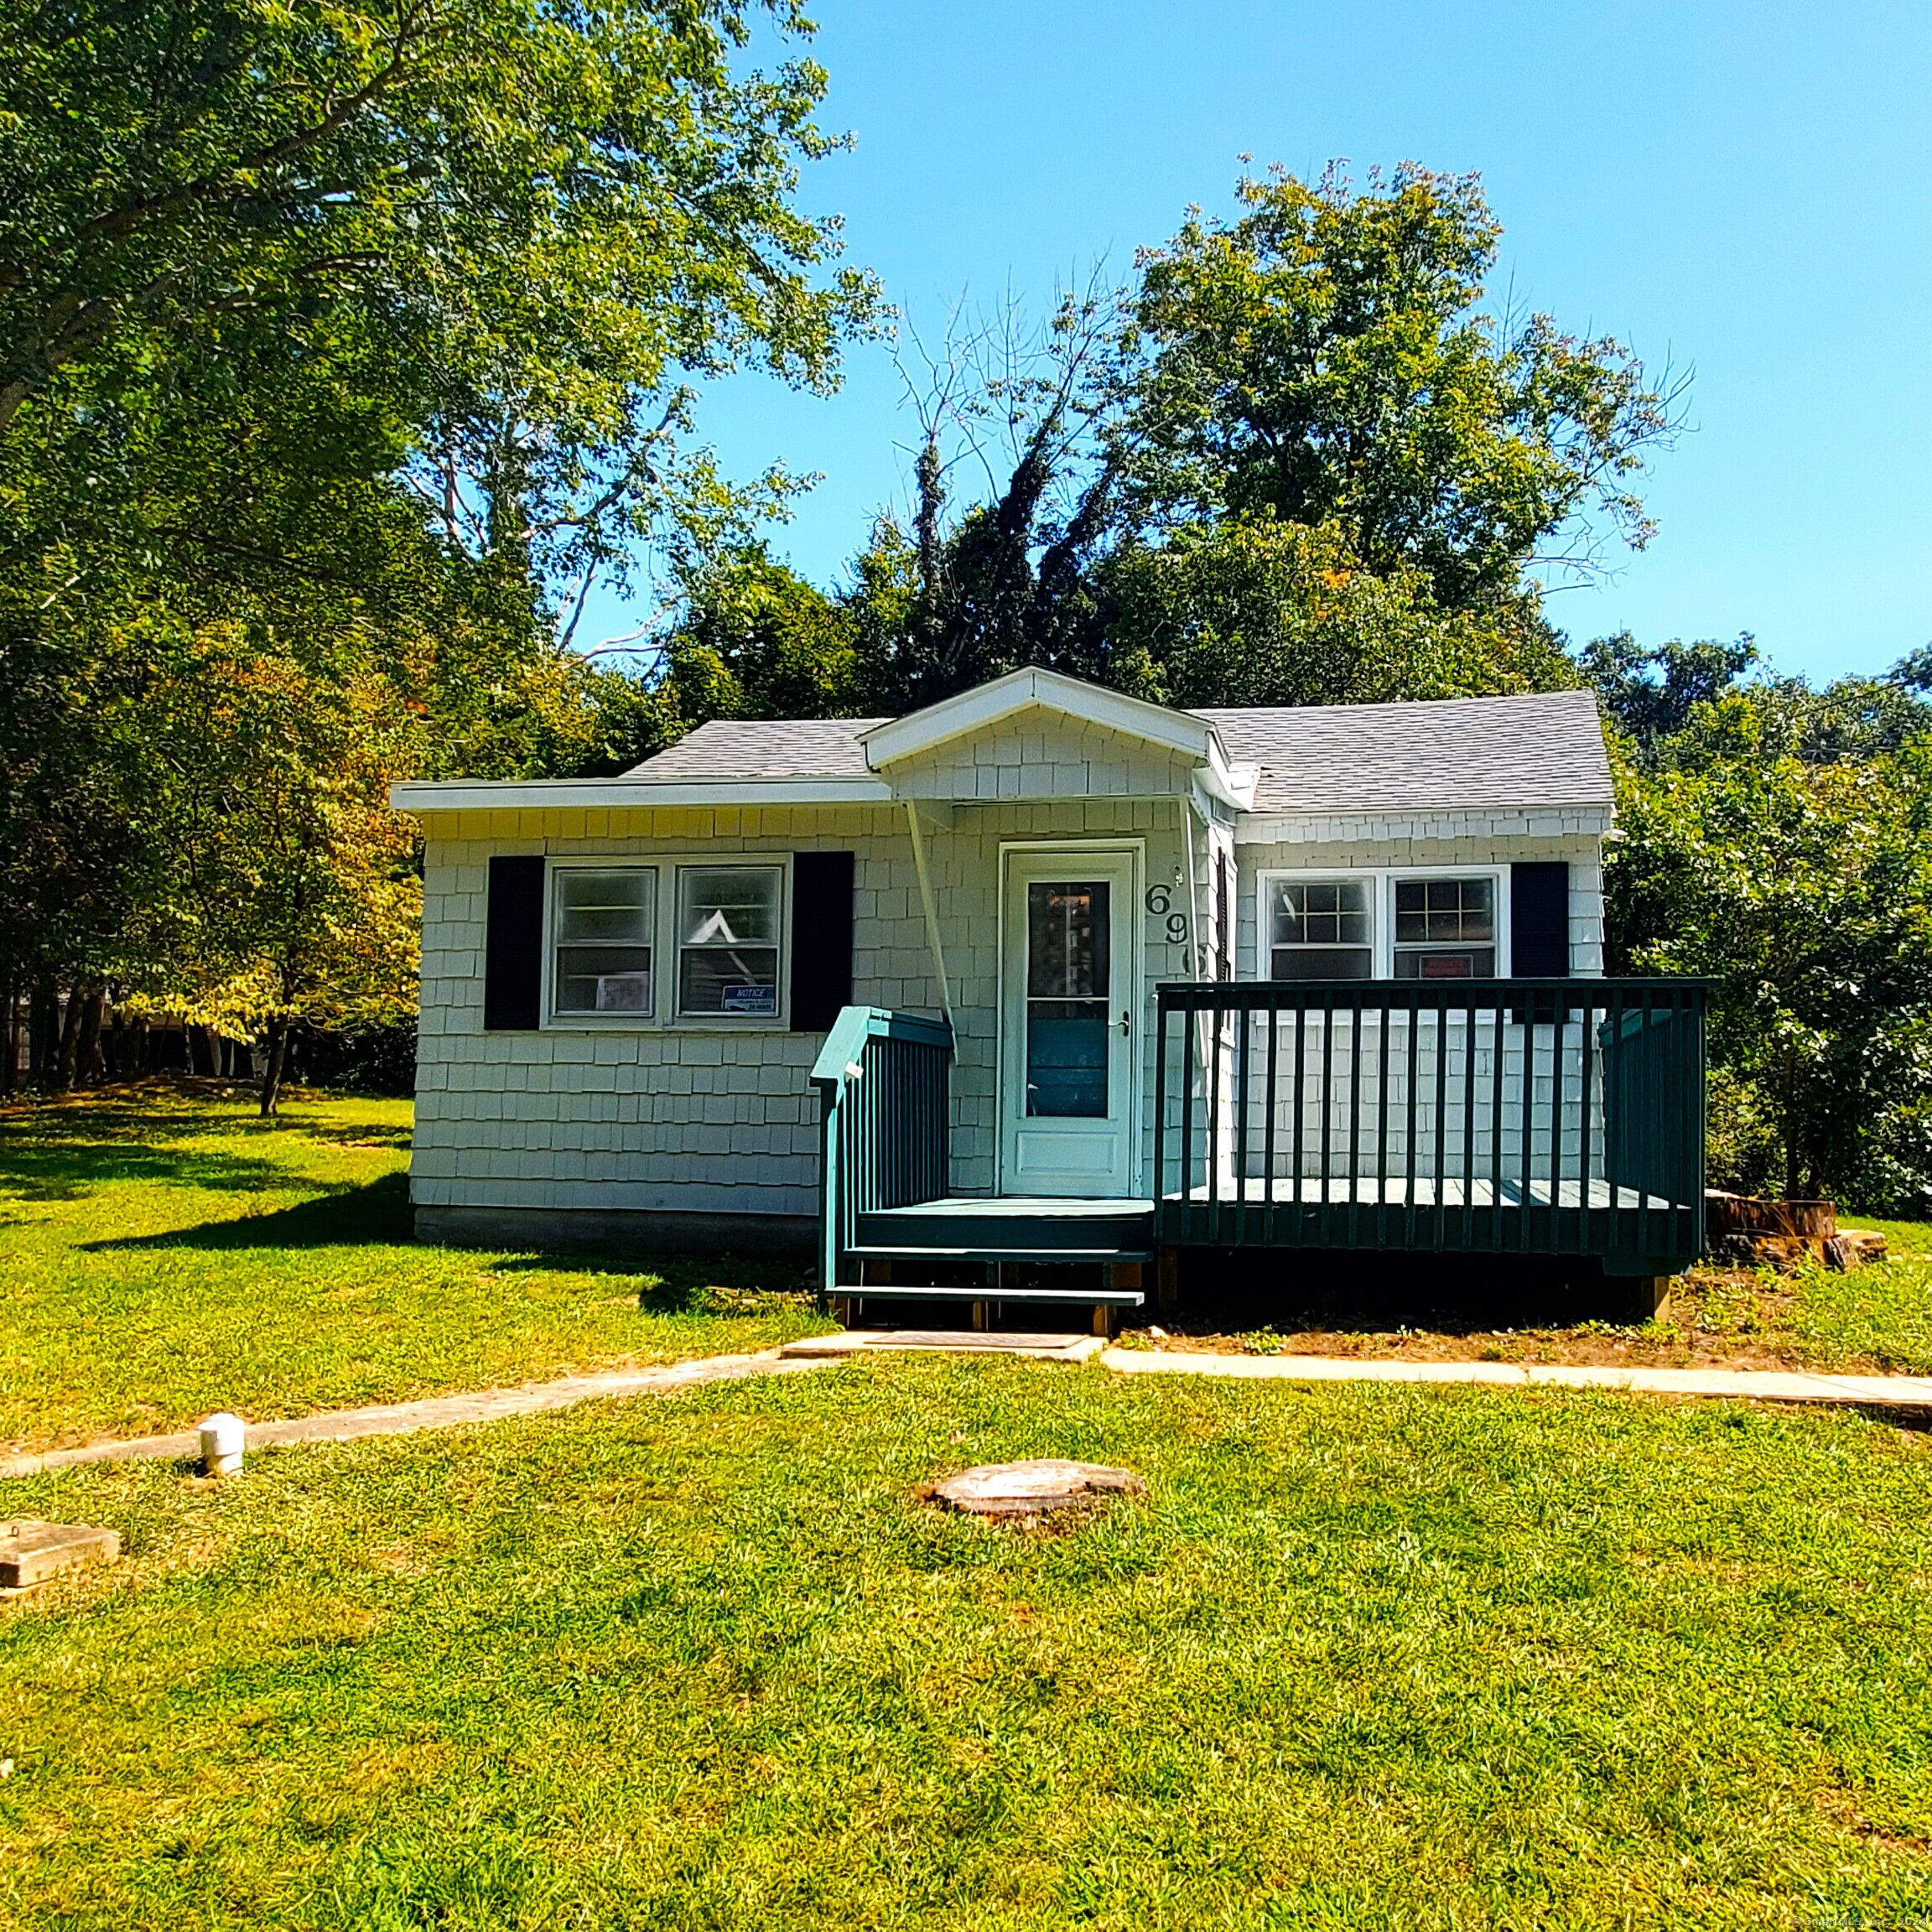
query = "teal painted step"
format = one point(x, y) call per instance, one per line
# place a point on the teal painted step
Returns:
point(1084, 1297)
point(1011, 1227)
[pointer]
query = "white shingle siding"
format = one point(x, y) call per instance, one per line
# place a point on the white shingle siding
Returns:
point(693, 1119)
point(665, 1118)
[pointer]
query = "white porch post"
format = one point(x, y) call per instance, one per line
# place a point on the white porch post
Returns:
point(932, 911)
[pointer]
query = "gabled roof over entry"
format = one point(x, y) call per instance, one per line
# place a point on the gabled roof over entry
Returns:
point(1186, 736)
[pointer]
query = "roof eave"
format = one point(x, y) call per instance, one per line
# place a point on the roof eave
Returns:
point(418, 796)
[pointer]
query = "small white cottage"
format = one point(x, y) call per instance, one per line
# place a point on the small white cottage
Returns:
point(1250, 967)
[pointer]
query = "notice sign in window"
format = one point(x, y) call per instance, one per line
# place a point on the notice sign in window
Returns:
point(728, 918)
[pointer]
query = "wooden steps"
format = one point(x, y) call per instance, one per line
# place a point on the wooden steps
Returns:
point(1010, 1227)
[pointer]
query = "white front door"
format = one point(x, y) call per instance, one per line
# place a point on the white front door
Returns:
point(1069, 973)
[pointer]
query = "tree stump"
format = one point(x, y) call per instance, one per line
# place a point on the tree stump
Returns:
point(1032, 1488)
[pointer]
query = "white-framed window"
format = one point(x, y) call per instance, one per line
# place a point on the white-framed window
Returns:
point(1445, 927)
point(729, 919)
point(1319, 928)
point(1381, 923)
point(604, 933)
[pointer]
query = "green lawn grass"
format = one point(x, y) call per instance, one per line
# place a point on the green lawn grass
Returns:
point(1364, 1657)
point(164, 1254)
point(1875, 1318)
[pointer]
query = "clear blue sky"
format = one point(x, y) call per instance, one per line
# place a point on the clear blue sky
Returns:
point(1746, 189)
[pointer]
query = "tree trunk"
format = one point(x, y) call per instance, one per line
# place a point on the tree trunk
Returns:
point(69, 1038)
point(272, 1071)
point(42, 1033)
point(200, 1044)
point(88, 1067)
point(10, 1071)
point(138, 1038)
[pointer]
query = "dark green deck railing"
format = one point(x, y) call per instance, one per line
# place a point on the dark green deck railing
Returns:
point(1526, 1116)
point(882, 1080)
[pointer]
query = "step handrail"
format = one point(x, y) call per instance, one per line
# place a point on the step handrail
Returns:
point(883, 1114)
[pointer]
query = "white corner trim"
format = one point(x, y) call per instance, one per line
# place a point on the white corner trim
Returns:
point(605, 794)
point(1022, 690)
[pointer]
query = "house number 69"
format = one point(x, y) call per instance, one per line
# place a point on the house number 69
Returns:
point(1159, 904)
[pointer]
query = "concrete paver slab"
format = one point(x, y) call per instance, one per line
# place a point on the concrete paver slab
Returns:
point(431, 1412)
point(1750, 1384)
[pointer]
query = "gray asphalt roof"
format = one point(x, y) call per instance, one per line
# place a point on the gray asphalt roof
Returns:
point(753, 748)
point(1455, 754)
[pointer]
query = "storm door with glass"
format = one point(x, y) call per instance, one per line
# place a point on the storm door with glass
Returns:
point(1069, 1011)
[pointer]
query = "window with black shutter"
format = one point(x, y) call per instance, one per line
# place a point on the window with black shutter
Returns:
point(1539, 919)
point(821, 939)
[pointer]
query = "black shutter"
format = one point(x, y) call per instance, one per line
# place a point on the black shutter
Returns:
point(1539, 920)
point(513, 947)
point(821, 939)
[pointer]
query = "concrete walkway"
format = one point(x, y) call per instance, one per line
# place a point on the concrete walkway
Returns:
point(432, 1412)
point(1748, 1384)
point(820, 1351)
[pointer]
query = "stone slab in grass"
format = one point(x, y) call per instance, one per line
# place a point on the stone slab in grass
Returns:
point(30, 1552)
point(1033, 1488)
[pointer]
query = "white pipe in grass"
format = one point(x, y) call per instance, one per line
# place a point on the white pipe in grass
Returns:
point(221, 1439)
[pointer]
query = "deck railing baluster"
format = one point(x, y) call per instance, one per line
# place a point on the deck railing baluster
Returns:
point(1469, 1129)
point(1382, 1132)
point(1411, 1064)
point(1160, 1011)
point(1354, 1123)
point(1241, 1070)
point(1268, 1132)
point(1442, 1108)
point(1299, 1103)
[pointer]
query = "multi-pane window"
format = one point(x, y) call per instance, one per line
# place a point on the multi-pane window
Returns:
point(728, 939)
point(1319, 929)
point(1444, 928)
point(604, 930)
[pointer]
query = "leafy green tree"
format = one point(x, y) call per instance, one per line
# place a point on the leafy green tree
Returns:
point(1325, 357)
point(366, 333)
point(1295, 454)
point(1273, 613)
point(1801, 884)
point(291, 894)
point(758, 642)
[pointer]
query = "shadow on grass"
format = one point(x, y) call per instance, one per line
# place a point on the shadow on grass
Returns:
point(376, 1213)
point(64, 1148)
point(69, 1171)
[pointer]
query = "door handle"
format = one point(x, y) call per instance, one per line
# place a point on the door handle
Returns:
point(1125, 1020)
